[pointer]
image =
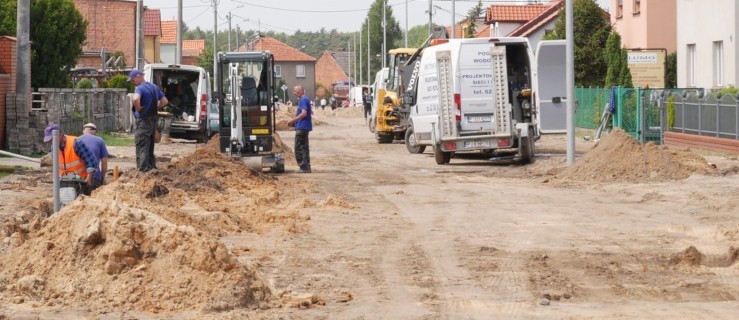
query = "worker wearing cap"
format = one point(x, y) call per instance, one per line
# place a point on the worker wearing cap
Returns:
point(147, 99)
point(96, 145)
point(74, 156)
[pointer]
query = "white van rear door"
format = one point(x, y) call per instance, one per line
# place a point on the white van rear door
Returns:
point(551, 91)
point(476, 87)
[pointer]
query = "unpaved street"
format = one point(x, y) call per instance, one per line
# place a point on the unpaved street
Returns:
point(378, 233)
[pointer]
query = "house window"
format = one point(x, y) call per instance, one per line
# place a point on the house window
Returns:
point(637, 6)
point(620, 9)
point(691, 65)
point(300, 71)
point(718, 63)
point(278, 71)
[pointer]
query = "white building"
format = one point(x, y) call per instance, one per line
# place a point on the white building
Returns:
point(706, 44)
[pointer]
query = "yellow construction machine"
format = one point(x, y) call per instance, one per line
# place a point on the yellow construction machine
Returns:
point(398, 95)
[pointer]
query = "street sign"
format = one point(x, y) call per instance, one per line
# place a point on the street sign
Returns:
point(284, 87)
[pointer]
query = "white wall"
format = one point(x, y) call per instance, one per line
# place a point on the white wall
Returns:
point(537, 36)
point(702, 22)
point(167, 53)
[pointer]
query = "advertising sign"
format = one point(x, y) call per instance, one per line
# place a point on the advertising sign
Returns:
point(647, 68)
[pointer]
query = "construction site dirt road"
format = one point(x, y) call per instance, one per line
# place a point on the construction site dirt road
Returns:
point(628, 232)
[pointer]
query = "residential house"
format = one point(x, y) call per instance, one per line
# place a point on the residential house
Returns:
point(328, 70)
point(503, 19)
point(533, 20)
point(8, 47)
point(292, 66)
point(706, 48)
point(645, 24)
point(169, 42)
point(111, 27)
point(152, 35)
point(191, 49)
point(344, 59)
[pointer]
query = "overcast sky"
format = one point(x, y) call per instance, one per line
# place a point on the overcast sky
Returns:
point(310, 15)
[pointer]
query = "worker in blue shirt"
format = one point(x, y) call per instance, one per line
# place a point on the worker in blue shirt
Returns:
point(303, 126)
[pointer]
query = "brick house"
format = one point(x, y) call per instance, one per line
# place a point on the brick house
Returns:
point(152, 35)
point(291, 65)
point(7, 78)
point(329, 71)
point(191, 49)
point(111, 27)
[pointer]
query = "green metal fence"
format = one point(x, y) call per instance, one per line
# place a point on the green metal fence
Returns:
point(637, 111)
point(591, 104)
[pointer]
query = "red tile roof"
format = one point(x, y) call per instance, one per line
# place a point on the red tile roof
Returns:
point(279, 50)
point(193, 48)
point(544, 18)
point(328, 70)
point(513, 13)
point(152, 19)
point(484, 32)
point(457, 31)
point(169, 32)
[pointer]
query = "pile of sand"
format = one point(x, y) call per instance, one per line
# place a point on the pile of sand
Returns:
point(149, 242)
point(277, 146)
point(620, 157)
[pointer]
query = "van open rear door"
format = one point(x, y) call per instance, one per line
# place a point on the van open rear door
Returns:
point(551, 92)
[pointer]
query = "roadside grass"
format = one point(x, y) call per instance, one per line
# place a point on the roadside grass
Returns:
point(116, 140)
point(8, 170)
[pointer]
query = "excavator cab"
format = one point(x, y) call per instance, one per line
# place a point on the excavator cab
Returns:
point(247, 109)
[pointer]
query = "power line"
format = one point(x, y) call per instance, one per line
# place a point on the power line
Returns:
point(313, 11)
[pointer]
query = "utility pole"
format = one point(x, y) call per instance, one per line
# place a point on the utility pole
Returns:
point(237, 37)
point(139, 34)
point(570, 65)
point(23, 52)
point(361, 73)
point(454, 21)
point(354, 54)
point(369, 77)
point(178, 47)
point(215, 41)
point(349, 60)
point(384, 31)
point(229, 31)
point(406, 23)
point(431, 7)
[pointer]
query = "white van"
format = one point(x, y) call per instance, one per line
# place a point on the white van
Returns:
point(476, 95)
point(189, 92)
point(356, 96)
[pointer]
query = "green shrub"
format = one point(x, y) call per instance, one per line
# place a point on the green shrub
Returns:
point(84, 84)
point(670, 112)
point(119, 81)
point(730, 90)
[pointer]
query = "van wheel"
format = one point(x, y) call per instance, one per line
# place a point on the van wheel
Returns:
point(410, 142)
point(384, 137)
point(441, 157)
point(527, 149)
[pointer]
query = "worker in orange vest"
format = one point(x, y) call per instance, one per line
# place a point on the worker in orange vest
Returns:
point(74, 157)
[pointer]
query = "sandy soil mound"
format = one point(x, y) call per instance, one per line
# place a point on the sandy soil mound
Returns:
point(277, 146)
point(620, 157)
point(149, 242)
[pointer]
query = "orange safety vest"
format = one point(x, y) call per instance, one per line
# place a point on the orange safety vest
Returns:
point(69, 161)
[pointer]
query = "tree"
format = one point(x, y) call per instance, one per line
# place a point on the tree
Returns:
point(671, 70)
point(57, 33)
point(393, 34)
point(472, 16)
point(618, 73)
point(592, 28)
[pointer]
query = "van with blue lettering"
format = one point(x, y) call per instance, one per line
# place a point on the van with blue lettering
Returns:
point(484, 95)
